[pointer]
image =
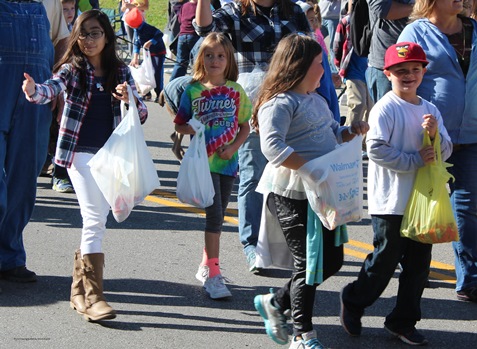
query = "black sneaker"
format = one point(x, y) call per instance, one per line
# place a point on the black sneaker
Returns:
point(18, 274)
point(412, 337)
point(350, 322)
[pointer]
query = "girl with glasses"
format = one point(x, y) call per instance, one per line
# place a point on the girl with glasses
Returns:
point(95, 81)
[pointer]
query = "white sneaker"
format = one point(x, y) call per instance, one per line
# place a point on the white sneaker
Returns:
point(202, 274)
point(308, 341)
point(216, 288)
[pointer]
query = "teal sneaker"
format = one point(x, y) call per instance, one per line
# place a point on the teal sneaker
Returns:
point(275, 321)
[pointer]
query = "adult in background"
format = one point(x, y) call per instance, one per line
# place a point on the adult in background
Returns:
point(24, 128)
point(450, 83)
point(388, 19)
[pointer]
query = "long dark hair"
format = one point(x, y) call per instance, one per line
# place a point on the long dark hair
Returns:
point(110, 62)
point(288, 67)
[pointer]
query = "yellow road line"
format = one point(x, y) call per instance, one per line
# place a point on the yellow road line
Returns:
point(169, 199)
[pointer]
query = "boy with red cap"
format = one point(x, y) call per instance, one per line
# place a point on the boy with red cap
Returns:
point(394, 146)
point(149, 37)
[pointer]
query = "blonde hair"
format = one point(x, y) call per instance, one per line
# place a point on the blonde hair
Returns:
point(231, 71)
point(288, 67)
point(422, 9)
point(319, 19)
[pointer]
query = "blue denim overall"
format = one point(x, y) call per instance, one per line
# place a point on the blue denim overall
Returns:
point(25, 46)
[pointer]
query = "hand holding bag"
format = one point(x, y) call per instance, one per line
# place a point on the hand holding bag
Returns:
point(334, 184)
point(194, 181)
point(429, 217)
point(144, 75)
point(123, 168)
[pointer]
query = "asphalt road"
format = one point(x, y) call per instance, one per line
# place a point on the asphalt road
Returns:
point(151, 260)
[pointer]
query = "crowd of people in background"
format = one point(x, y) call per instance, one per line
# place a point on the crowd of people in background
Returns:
point(67, 104)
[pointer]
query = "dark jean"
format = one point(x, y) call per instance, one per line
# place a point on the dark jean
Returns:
point(378, 268)
point(464, 202)
point(214, 214)
point(378, 83)
point(25, 46)
point(251, 165)
point(296, 294)
point(184, 47)
point(158, 65)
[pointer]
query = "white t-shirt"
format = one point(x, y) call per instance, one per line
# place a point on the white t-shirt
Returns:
point(393, 143)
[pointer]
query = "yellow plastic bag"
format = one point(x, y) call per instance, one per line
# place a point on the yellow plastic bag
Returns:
point(428, 217)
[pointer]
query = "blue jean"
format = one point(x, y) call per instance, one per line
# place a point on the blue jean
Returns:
point(25, 46)
point(184, 47)
point(158, 65)
point(379, 267)
point(251, 165)
point(328, 27)
point(378, 83)
point(464, 203)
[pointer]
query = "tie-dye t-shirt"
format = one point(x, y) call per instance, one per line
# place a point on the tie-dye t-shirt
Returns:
point(221, 109)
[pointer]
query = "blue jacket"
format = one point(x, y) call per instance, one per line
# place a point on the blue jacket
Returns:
point(444, 83)
point(146, 32)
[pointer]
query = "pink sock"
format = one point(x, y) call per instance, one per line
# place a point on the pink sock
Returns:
point(204, 258)
point(214, 268)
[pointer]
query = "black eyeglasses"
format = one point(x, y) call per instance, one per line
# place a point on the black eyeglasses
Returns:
point(95, 35)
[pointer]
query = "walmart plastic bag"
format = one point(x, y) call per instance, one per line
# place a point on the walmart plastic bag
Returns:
point(429, 217)
point(123, 168)
point(194, 181)
point(337, 198)
point(144, 74)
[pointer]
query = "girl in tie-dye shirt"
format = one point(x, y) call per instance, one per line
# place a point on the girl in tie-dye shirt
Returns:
point(215, 99)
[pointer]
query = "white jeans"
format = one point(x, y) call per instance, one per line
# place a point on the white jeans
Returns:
point(94, 207)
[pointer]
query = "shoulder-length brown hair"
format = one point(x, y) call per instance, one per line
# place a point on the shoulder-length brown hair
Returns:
point(231, 71)
point(289, 65)
point(110, 62)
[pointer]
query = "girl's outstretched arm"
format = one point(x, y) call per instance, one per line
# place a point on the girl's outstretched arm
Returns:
point(29, 86)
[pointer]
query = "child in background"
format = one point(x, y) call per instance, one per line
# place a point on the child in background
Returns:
point(150, 38)
point(95, 82)
point(69, 12)
point(395, 152)
point(296, 126)
point(214, 98)
point(187, 39)
point(352, 69)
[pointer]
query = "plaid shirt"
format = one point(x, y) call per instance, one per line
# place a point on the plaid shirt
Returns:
point(76, 106)
point(254, 37)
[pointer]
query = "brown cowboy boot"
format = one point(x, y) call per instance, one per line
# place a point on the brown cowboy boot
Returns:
point(77, 289)
point(96, 307)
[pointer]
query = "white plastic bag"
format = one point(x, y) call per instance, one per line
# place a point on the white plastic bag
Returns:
point(144, 74)
point(252, 81)
point(337, 198)
point(123, 168)
point(194, 181)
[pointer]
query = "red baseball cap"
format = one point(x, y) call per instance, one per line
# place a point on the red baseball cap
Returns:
point(134, 18)
point(404, 52)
